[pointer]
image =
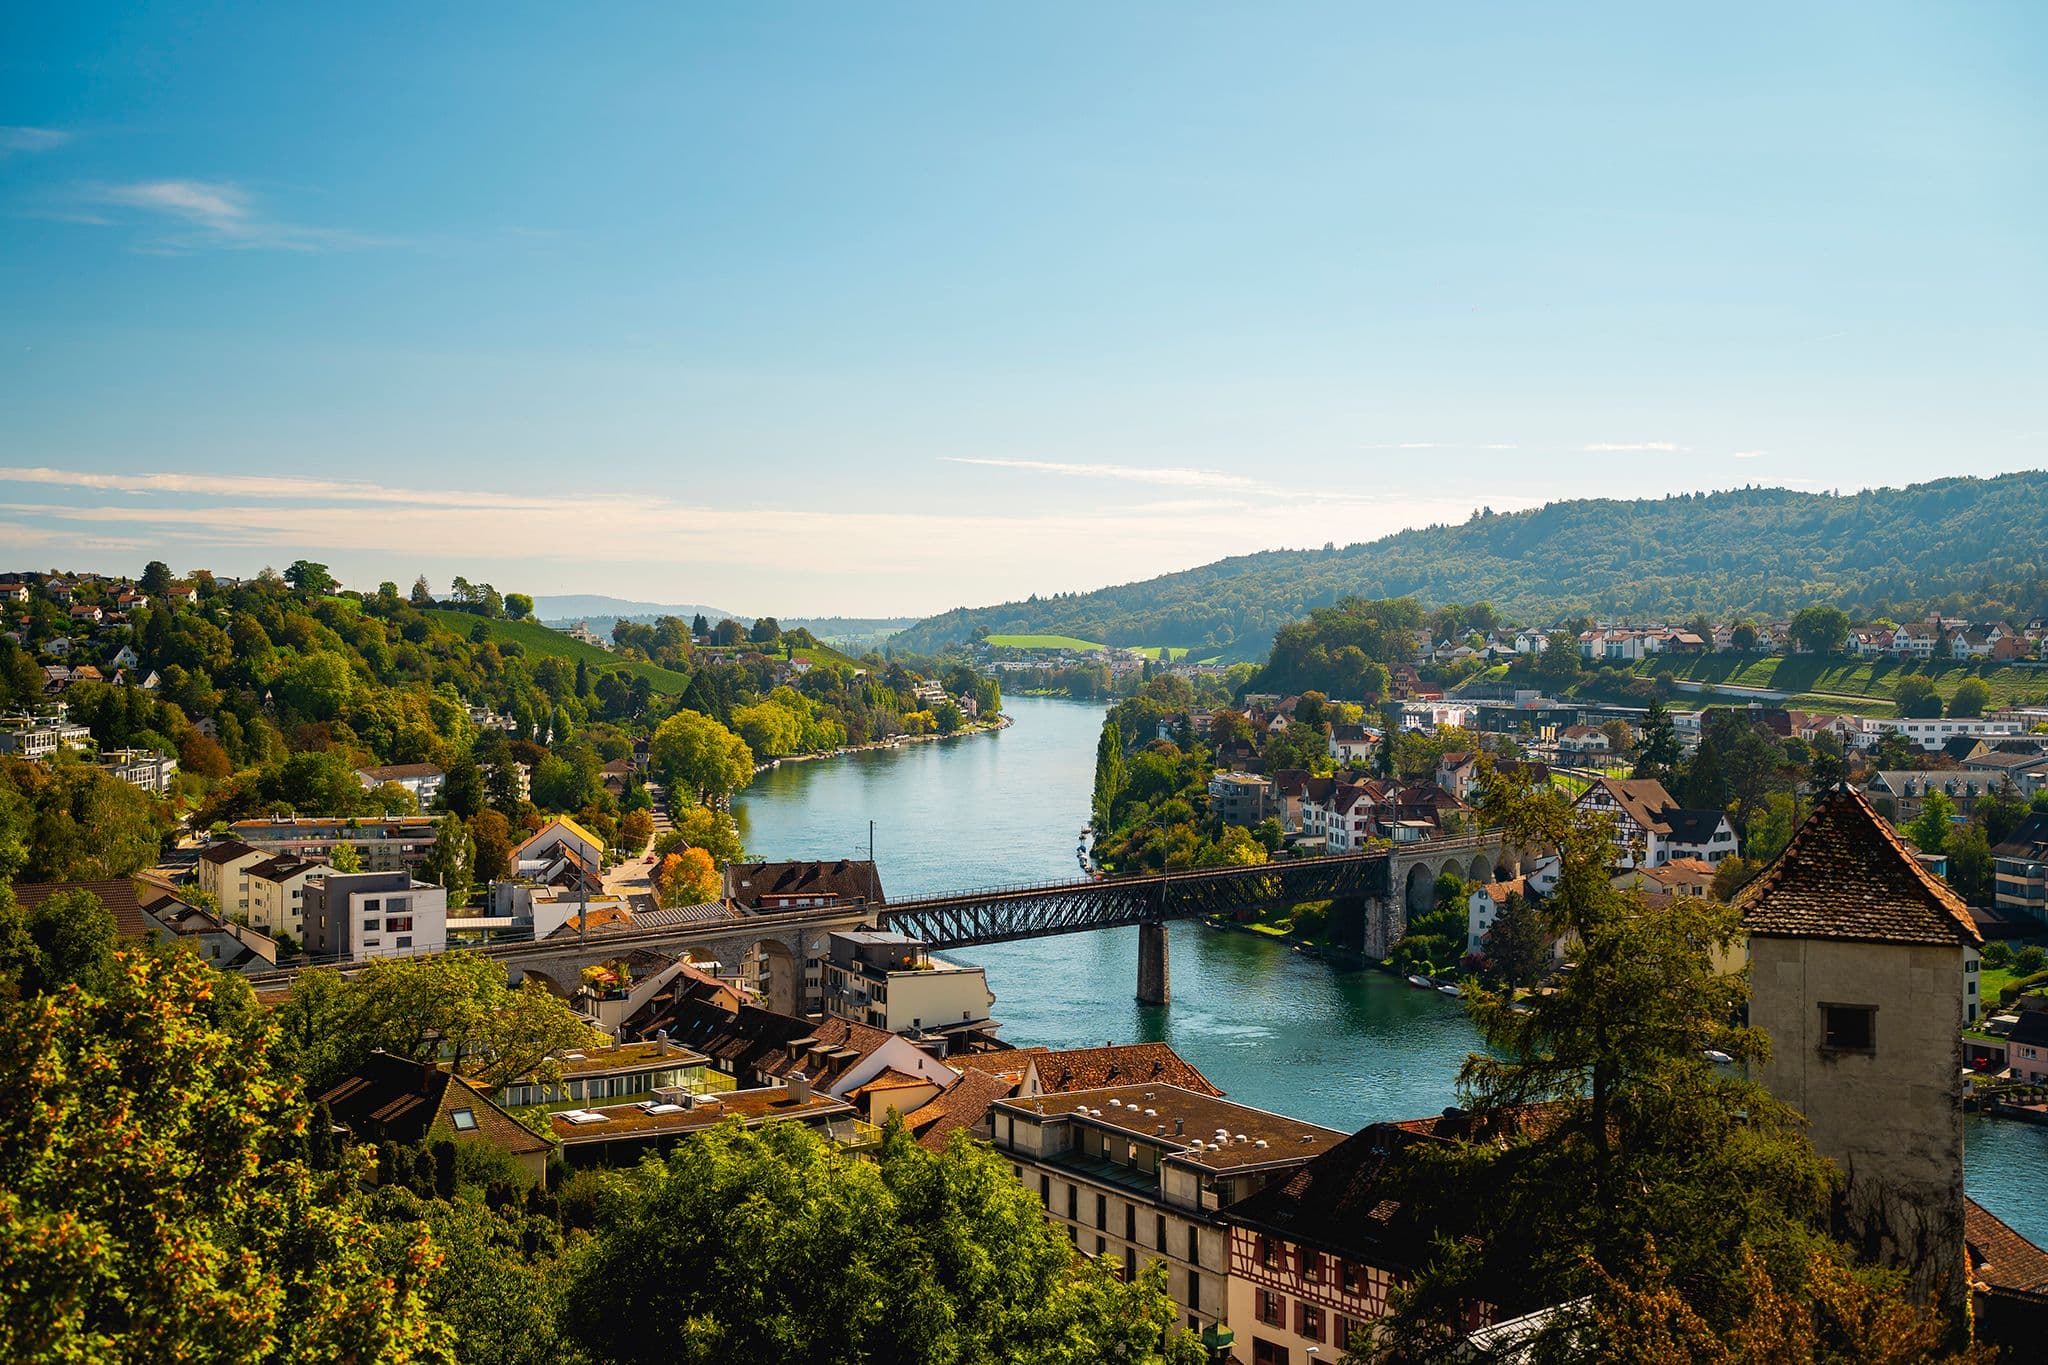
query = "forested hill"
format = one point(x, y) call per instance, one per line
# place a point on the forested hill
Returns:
point(1975, 545)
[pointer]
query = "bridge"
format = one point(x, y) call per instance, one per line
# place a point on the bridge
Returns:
point(1372, 895)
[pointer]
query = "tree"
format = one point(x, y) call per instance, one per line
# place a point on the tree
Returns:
point(157, 1199)
point(1972, 695)
point(932, 1257)
point(518, 606)
point(1518, 945)
point(686, 877)
point(422, 595)
point(1621, 739)
point(316, 686)
point(699, 627)
point(1658, 751)
point(1743, 637)
point(1640, 1139)
point(1930, 829)
point(1914, 695)
point(705, 828)
point(2030, 959)
point(491, 837)
point(1819, 630)
point(765, 631)
point(63, 940)
point(311, 579)
point(1969, 864)
point(692, 752)
point(2000, 811)
point(344, 857)
point(157, 579)
point(462, 788)
point(1109, 774)
point(451, 862)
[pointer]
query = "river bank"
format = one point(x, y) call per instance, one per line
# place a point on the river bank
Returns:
point(980, 727)
point(1317, 1037)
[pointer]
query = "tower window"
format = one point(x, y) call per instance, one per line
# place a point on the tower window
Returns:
point(1848, 1028)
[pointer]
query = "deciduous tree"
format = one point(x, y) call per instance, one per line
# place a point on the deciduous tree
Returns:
point(693, 753)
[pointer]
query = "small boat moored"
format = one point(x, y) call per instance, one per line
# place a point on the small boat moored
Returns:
point(1422, 982)
point(1450, 990)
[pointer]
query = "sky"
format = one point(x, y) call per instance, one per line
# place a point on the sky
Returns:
point(876, 309)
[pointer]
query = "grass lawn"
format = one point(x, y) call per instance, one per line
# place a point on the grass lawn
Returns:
point(1832, 682)
point(542, 642)
point(1040, 642)
point(1167, 652)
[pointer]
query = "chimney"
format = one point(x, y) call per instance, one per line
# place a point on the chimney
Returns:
point(661, 1037)
point(1180, 1127)
point(799, 1088)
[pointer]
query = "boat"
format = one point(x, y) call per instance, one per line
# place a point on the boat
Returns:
point(1717, 1057)
point(1450, 990)
point(1421, 981)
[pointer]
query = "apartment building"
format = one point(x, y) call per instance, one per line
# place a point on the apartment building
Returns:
point(276, 892)
point(892, 982)
point(387, 844)
point(354, 915)
point(1142, 1172)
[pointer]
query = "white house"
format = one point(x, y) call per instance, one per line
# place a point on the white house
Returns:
point(1583, 739)
point(423, 780)
point(1650, 829)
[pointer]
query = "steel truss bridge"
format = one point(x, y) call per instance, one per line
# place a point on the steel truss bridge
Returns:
point(1004, 916)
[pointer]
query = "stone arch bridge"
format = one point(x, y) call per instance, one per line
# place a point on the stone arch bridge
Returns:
point(1373, 895)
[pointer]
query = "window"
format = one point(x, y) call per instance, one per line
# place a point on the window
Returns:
point(1848, 1028)
point(1311, 1267)
point(1074, 1202)
point(1101, 1211)
point(1194, 1245)
point(1101, 1245)
point(404, 941)
point(398, 903)
point(1271, 1308)
point(1130, 1222)
point(1309, 1321)
point(1160, 1241)
point(1130, 1264)
point(1045, 1190)
point(1194, 1290)
point(399, 924)
point(1351, 1333)
point(1269, 1255)
point(371, 926)
point(1268, 1353)
point(463, 1119)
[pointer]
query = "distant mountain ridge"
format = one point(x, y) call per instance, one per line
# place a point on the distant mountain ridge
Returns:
point(600, 611)
point(1978, 542)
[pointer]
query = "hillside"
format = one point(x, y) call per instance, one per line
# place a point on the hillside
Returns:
point(543, 642)
point(1970, 543)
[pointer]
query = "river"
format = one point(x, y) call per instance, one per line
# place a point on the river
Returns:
point(1271, 1027)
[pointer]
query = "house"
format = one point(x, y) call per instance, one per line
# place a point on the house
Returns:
point(764, 888)
point(963, 1105)
point(891, 981)
point(124, 657)
point(224, 868)
point(39, 734)
point(143, 908)
point(1457, 772)
point(1239, 798)
point(181, 595)
point(1317, 1255)
point(1488, 899)
point(1142, 1172)
point(423, 780)
point(1862, 973)
point(394, 1100)
point(90, 615)
point(1650, 829)
point(655, 1069)
point(350, 916)
point(58, 647)
point(758, 1047)
point(1678, 877)
point(622, 1134)
point(1353, 744)
point(1583, 739)
point(13, 590)
point(2028, 772)
point(385, 844)
point(272, 890)
point(2020, 871)
point(2008, 1283)
point(1902, 795)
point(144, 768)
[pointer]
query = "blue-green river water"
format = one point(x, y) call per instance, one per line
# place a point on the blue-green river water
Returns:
point(1271, 1027)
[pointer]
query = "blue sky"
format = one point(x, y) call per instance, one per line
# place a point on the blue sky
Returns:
point(888, 308)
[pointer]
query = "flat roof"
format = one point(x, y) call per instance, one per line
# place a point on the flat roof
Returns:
point(1249, 1137)
point(647, 1119)
point(599, 1061)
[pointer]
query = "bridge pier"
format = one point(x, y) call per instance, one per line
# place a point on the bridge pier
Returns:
point(1154, 985)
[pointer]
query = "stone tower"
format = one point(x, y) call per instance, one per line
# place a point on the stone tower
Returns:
point(1859, 961)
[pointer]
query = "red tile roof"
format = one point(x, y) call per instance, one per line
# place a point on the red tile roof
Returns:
point(1092, 1068)
point(1847, 875)
point(963, 1105)
point(1999, 1257)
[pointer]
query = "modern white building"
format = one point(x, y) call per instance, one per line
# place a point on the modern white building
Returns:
point(1933, 731)
point(889, 981)
point(144, 768)
point(40, 733)
point(354, 915)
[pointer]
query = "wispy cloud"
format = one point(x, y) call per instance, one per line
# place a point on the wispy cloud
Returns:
point(1168, 477)
point(1751, 454)
point(284, 487)
point(191, 215)
point(18, 138)
point(1604, 447)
